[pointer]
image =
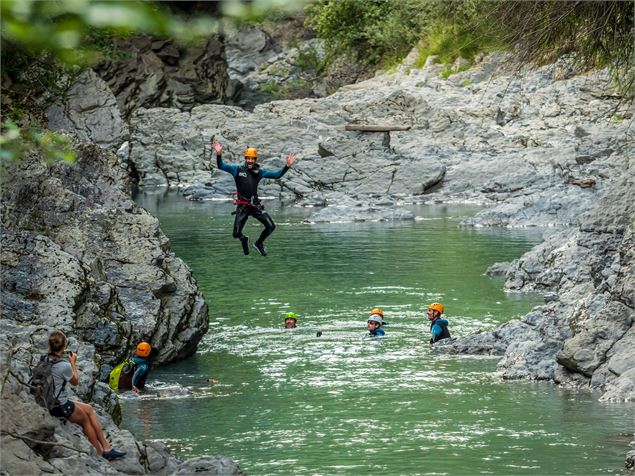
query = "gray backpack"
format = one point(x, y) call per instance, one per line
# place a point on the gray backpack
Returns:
point(42, 384)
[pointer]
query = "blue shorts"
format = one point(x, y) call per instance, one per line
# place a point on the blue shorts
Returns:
point(64, 410)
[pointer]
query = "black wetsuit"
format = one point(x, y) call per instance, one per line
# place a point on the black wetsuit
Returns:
point(247, 203)
point(439, 330)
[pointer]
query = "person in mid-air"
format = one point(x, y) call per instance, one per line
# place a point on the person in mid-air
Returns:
point(247, 177)
point(374, 326)
point(438, 325)
point(290, 320)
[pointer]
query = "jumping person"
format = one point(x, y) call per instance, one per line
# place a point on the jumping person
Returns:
point(247, 177)
point(438, 326)
point(63, 372)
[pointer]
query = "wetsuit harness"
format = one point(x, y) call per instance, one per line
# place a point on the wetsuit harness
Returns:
point(439, 330)
point(379, 332)
point(247, 201)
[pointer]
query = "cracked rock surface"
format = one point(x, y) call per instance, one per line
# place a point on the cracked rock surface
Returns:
point(78, 255)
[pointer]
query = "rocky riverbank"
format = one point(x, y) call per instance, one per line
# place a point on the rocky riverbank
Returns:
point(78, 255)
point(541, 147)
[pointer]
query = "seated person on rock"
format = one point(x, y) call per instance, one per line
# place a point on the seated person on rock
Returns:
point(133, 376)
point(65, 371)
point(374, 326)
point(290, 320)
point(438, 325)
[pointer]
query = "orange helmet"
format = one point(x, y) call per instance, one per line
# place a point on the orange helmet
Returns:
point(251, 152)
point(143, 349)
point(377, 310)
point(437, 306)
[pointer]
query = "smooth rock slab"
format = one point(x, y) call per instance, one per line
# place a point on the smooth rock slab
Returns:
point(346, 215)
point(209, 466)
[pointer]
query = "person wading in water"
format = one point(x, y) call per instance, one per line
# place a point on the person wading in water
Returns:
point(248, 204)
point(438, 325)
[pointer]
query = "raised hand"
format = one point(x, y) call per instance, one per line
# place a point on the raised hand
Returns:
point(291, 159)
point(218, 147)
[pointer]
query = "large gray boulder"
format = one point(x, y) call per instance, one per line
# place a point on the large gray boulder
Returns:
point(90, 111)
point(79, 254)
point(585, 335)
point(496, 142)
point(147, 72)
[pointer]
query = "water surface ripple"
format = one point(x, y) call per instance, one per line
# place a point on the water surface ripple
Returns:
point(288, 402)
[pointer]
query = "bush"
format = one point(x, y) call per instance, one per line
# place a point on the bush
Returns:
point(376, 31)
point(382, 32)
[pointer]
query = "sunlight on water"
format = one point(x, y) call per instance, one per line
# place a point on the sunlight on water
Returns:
point(290, 402)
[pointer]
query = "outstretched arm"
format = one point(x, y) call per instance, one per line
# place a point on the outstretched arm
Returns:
point(218, 147)
point(276, 174)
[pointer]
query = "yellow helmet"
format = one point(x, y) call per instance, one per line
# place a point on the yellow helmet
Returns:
point(143, 349)
point(377, 310)
point(290, 315)
point(437, 306)
point(251, 152)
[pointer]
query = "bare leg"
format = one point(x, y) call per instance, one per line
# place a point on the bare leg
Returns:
point(79, 416)
point(96, 426)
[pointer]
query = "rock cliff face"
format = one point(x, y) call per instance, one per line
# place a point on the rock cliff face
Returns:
point(146, 72)
point(78, 255)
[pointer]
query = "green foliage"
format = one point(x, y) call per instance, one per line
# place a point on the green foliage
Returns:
point(258, 11)
point(309, 60)
point(446, 72)
point(463, 38)
point(599, 32)
point(293, 89)
point(377, 31)
point(62, 28)
point(381, 32)
point(16, 141)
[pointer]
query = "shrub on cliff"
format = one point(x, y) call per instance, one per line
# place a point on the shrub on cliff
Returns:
point(382, 32)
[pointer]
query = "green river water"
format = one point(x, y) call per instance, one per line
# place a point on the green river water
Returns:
point(289, 402)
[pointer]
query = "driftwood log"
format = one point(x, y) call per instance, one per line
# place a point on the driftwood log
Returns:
point(375, 127)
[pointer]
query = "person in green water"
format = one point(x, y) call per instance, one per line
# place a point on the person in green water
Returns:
point(290, 320)
point(374, 326)
point(438, 326)
point(377, 311)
